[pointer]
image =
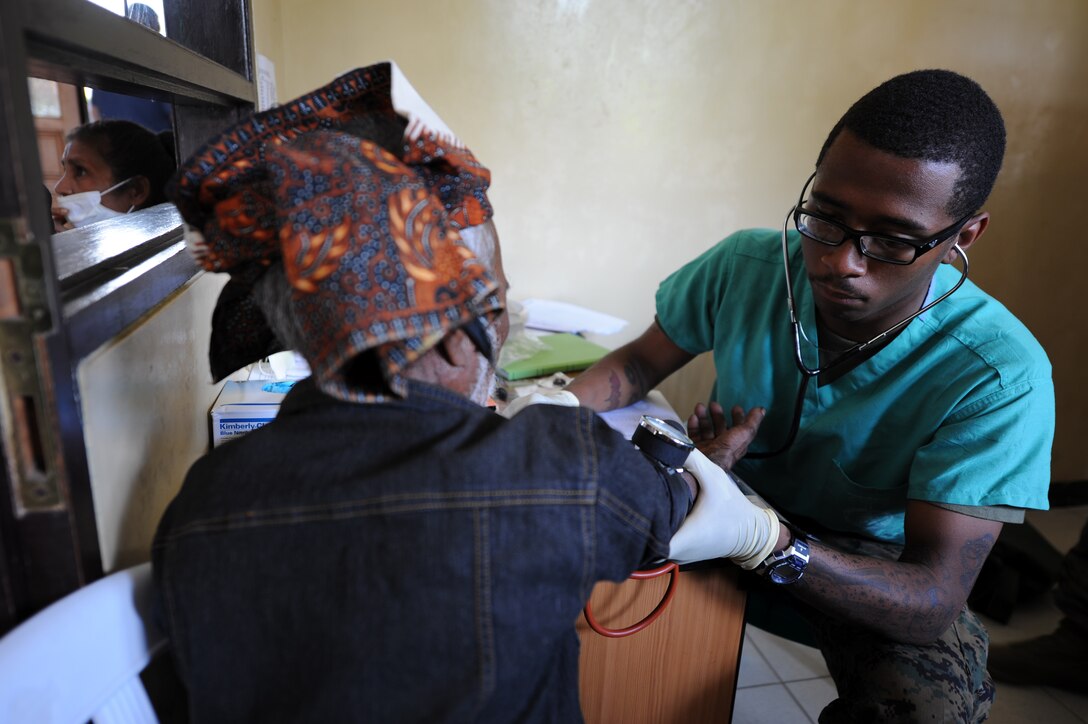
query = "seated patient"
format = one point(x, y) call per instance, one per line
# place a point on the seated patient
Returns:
point(387, 549)
point(111, 168)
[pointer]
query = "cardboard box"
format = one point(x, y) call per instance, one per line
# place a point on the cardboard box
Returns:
point(245, 406)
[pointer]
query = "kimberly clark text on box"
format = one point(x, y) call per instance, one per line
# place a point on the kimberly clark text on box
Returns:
point(245, 406)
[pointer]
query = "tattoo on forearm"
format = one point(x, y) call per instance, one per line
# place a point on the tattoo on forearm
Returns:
point(637, 379)
point(613, 391)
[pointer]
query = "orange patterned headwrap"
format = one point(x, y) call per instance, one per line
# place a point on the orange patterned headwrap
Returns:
point(368, 237)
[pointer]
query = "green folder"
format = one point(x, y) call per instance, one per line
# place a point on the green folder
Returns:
point(565, 353)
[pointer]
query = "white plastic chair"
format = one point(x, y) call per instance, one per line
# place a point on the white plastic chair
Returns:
point(80, 659)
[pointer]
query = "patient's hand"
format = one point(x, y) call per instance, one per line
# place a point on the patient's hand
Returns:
point(722, 442)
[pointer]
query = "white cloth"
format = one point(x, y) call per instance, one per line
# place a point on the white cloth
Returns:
point(555, 397)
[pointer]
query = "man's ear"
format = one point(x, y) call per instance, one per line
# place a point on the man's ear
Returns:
point(968, 235)
point(447, 364)
point(456, 349)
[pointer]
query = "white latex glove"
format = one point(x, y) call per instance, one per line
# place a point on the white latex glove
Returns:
point(552, 397)
point(723, 523)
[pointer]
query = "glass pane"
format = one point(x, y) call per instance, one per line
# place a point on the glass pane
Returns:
point(44, 98)
point(154, 115)
point(114, 6)
point(128, 158)
point(148, 13)
point(214, 29)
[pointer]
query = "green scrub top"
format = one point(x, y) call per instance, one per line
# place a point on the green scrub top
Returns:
point(958, 408)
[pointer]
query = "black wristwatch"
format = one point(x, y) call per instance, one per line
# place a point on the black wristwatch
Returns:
point(663, 441)
point(788, 565)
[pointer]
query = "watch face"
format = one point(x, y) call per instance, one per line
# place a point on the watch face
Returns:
point(791, 563)
point(786, 571)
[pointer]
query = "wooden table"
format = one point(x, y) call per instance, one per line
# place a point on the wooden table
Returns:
point(683, 668)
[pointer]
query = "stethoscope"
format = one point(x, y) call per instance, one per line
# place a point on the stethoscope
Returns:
point(807, 372)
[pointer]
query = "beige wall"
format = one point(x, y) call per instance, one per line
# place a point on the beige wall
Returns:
point(144, 399)
point(625, 138)
point(267, 38)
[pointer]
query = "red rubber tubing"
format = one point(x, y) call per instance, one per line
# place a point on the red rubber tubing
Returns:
point(673, 570)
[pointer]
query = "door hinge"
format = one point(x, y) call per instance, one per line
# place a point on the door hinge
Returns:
point(28, 427)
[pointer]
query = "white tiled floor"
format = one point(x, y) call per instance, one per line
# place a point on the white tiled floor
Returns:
point(786, 683)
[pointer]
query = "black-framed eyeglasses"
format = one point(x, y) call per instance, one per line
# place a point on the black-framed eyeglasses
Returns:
point(807, 372)
point(889, 249)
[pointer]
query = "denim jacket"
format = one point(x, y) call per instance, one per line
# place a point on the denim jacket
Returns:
point(422, 560)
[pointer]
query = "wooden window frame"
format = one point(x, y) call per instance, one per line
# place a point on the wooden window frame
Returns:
point(62, 296)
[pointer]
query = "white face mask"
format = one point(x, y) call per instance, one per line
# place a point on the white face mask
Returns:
point(86, 207)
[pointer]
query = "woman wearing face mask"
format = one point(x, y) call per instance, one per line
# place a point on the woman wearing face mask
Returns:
point(110, 168)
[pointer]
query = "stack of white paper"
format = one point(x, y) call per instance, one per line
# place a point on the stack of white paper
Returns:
point(563, 317)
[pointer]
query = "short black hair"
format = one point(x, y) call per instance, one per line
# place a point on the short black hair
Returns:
point(933, 115)
point(131, 150)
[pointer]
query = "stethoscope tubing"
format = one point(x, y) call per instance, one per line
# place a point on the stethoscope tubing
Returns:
point(861, 346)
point(808, 373)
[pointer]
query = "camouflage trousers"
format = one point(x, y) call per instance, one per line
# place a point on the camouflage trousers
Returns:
point(880, 680)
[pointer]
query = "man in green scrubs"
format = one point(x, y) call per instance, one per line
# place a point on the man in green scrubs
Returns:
point(909, 452)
